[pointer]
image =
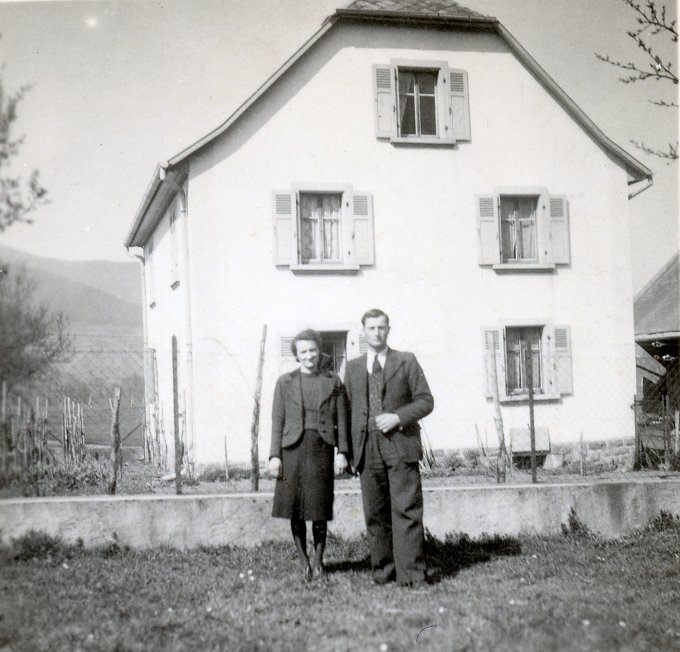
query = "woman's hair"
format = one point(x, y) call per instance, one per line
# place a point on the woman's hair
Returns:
point(309, 335)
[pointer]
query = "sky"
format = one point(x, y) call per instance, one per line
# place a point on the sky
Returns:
point(119, 86)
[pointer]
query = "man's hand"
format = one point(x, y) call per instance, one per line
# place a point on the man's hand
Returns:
point(387, 421)
point(340, 464)
point(274, 467)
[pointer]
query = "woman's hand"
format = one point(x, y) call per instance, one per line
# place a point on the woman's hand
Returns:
point(340, 464)
point(274, 467)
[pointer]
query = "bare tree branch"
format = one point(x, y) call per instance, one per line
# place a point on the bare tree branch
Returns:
point(652, 21)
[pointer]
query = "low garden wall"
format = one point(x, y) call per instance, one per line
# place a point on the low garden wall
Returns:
point(608, 508)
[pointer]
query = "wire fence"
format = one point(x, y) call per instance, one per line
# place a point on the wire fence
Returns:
point(87, 381)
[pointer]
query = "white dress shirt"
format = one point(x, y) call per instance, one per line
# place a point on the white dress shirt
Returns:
point(382, 356)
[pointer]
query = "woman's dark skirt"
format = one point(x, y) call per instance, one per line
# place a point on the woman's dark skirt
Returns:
point(306, 489)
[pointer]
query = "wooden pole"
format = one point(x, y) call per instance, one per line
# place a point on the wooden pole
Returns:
point(226, 460)
point(179, 447)
point(666, 432)
point(532, 430)
point(254, 453)
point(502, 457)
point(581, 456)
point(115, 440)
point(677, 431)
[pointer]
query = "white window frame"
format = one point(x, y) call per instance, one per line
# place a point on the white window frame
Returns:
point(490, 230)
point(451, 102)
point(356, 232)
point(549, 382)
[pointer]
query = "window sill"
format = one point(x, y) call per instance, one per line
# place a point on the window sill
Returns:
point(524, 267)
point(524, 398)
point(423, 140)
point(325, 269)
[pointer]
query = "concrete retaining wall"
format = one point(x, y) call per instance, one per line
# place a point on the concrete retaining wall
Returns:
point(609, 508)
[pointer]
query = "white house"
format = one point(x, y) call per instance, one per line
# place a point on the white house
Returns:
point(410, 156)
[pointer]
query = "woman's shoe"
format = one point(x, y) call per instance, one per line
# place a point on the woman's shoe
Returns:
point(307, 573)
point(319, 571)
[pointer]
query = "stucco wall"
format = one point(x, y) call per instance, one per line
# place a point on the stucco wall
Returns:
point(317, 126)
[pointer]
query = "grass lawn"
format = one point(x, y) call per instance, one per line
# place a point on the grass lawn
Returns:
point(573, 592)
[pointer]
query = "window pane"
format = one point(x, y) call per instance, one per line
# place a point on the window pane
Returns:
point(407, 115)
point(309, 217)
point(428, 116)
point(518, 228)
point(331, 227)
point(521, 345)
point(426, 82)
point(407, 82)
point(320, 215)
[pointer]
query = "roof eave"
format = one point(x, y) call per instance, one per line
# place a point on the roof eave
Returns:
point(159, 193)
point(382, 15)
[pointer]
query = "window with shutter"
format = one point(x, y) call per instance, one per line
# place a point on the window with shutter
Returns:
point(421, 102)
point(539, 351)
point(323, 228)
point(522, 229)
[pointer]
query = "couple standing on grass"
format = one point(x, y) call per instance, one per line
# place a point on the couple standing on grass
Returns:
point(387, 395)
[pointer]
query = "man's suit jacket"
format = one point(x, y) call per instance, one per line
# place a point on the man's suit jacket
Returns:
point(405, 392)
point(288, 417)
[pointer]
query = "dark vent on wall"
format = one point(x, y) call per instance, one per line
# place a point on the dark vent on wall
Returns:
point(561, 338)
point(457, 82)
point(383, 78)
point(283, 204)
point(285, 346)
point(557, 207)
point(361, 205)
point(486, 206)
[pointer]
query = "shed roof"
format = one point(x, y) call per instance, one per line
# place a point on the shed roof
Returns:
point(657, 305)
point(441, 13)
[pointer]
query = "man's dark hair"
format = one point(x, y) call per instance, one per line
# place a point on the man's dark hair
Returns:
point(308, 335)
point(372, 314)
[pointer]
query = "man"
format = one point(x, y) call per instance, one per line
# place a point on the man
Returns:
point(388, 394)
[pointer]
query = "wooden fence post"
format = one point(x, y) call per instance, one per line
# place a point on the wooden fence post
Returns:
point(502, 457)
point(532, 430)
point(254, 453)
point(179, 446)
point(116, 460)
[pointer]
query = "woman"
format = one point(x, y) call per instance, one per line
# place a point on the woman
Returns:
point(308, 420)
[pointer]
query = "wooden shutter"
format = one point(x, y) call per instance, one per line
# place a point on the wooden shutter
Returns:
point(362, 229)
point(487, 229)
point(563, 362)
point(150, 375)
point(558, 229)
point(460, 104)
point(383, 91)
point(494, 347)
point(287, 361)
point(285, 245)
point(356, 344)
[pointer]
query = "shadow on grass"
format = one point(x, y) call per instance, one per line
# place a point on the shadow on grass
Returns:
point(448, 557)
point(459, 551)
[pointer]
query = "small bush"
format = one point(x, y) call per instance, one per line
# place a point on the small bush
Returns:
point(575, 528)
point(40, 545)
point(212, 473)
point(675, 462)
point(473, 456)
point(666, 521)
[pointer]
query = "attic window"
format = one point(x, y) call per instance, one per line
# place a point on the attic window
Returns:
point(421, 102)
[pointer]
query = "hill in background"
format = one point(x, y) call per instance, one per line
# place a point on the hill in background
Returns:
point(102, 299)
point(103, 303)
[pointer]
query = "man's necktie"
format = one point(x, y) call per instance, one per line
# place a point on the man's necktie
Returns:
point(376, 366)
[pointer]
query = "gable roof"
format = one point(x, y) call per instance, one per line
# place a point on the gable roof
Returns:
point(657, 305)
point(441, 13)
point(426, 7)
